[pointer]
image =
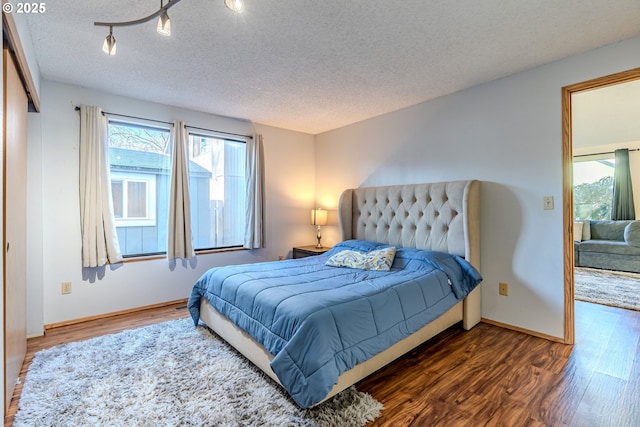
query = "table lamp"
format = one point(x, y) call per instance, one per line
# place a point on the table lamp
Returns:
point(318, 218)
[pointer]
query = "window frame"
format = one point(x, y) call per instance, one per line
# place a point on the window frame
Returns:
point(150, 199)
point(203, 133)
point(151, 220)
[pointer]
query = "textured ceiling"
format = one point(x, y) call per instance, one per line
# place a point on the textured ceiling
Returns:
point(316, 65)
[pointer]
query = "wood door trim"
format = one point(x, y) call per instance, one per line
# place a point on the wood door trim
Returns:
point(567, 186)
point(5, 58)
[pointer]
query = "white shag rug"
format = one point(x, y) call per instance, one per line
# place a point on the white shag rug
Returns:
point(169, 374)
point(614, 288)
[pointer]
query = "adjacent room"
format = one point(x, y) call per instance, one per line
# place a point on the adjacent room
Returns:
point(243, 213)
point(606, 179)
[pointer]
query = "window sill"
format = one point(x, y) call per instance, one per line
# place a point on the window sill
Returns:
point(139, 258)
point(215, 251)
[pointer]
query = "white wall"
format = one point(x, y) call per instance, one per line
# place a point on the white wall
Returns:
point(508, 134)
point(54, 234)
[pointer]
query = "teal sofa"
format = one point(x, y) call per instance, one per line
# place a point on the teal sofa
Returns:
point(609, 245)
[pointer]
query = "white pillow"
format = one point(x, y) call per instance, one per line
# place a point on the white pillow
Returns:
point(577, 231)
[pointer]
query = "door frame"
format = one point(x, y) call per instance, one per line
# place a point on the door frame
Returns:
point(567, 186)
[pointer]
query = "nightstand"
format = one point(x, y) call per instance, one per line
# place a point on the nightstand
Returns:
point(305, 251)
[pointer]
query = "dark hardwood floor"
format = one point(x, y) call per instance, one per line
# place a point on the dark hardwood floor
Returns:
point(488, 376)
point(496, 377)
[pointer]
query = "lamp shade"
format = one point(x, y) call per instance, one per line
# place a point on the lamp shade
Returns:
point(318, 217)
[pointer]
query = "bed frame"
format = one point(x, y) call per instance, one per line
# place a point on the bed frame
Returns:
point(439, 216)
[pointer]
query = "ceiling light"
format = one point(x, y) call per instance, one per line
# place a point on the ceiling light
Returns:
point(109, 45)
point(164, 23)
point(235, 5)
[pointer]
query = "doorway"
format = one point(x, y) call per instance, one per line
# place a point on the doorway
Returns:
point(567, 187)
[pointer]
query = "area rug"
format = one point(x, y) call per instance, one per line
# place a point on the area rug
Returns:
point(169, 374)
point(614, 288)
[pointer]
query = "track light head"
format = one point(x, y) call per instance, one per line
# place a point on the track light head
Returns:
point(164, 24)
point(235, 5)
point(109, 45)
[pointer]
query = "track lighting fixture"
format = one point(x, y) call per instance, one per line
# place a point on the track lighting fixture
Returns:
point(164, 23)
point(109, 45)
point(235, 5)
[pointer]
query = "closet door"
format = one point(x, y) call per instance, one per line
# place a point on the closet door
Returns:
point(15, 224)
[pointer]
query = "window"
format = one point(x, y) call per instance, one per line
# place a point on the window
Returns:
point(593, 187)
point(218, 195)
point(134, 199)
point(140, 160)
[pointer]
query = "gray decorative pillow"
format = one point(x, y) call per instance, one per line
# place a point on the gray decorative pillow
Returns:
point(632, 233)
point(586, 230)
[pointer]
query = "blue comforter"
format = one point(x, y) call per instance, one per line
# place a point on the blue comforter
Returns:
point(319, 321)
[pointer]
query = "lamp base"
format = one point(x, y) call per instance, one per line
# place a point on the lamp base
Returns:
point(318, 236)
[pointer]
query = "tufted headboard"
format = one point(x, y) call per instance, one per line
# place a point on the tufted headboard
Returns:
point(442, 216)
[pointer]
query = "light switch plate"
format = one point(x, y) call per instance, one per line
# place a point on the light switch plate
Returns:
point(548, 203)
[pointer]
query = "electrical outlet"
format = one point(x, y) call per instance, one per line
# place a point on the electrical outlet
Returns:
point(280, 257)
point(503, 289)
point(66, 288)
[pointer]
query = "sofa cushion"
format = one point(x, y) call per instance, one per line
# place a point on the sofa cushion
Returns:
point(610, 261)
point(577, 230)
point(608, 230)
point(586, 230)
point(632, 233)
point(608, 247)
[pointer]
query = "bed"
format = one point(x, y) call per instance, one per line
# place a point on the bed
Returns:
point(315, 328)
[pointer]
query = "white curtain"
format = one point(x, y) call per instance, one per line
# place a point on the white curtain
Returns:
point(254, 233)
point(179, 242)
point(99, 239)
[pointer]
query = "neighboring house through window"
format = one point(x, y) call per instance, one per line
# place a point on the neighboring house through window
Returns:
point(134, 197)
point(217, 205)
point(140, 160)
